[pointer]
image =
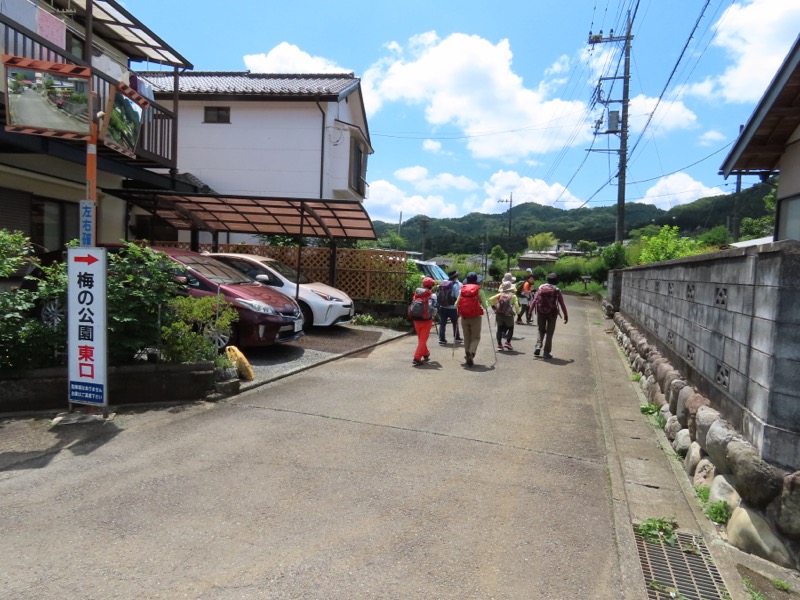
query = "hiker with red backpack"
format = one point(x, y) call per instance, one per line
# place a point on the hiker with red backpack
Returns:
point(421, 311)
point(505, 305)
point(548, 304)
point(470, 304)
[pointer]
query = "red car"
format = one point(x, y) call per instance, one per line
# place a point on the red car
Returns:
point(266, 316)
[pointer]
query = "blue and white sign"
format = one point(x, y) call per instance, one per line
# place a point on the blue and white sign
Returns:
point(86, 326)
point(86, 220)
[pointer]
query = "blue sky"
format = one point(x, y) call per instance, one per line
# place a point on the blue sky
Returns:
point(470, 103)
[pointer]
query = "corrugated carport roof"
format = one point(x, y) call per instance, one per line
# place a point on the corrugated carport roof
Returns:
point(215, 213)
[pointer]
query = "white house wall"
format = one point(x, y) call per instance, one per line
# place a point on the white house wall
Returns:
point(268, 148)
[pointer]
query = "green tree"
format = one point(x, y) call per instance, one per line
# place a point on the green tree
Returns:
point(614, 256)
point(498, 255)
point(587, 247)
point(666, 246)
point(716, 236)
point(542, 241)
point(753, 228)
point(647, 230)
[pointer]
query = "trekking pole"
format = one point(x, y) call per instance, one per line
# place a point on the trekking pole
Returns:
point(491, 338)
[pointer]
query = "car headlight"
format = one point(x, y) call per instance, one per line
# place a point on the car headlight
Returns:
point(327, 297)
point(256, 306)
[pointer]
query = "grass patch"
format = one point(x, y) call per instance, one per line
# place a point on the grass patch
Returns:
point(780, 584)
point(754, 593)
point(648, 409)
point(636, 377)
point(719, 512)
point(703, 493)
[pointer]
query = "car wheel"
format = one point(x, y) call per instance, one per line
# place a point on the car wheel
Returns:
point(52, 313)
point(308, 317)
point(220, 338)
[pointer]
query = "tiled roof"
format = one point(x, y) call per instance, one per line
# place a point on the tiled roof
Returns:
point(260, 84)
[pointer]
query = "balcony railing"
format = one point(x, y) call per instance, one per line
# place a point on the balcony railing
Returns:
point(155, 144)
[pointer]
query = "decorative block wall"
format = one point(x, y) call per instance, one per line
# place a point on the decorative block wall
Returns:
point(730, 321)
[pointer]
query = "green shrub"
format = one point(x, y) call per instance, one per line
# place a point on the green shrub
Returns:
point(614, 256)
point(667, 245)
point(719, 512)
point(703, 492)
point(186, 337)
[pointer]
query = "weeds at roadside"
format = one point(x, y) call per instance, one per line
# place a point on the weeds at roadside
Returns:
point(780, 584)
point(657, 530)
point(703, 493)
point(394, 323)
point(637, 377)
point(648, 409)
point(719, 512)
point(754, 593)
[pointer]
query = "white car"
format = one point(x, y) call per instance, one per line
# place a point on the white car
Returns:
point(322, 305)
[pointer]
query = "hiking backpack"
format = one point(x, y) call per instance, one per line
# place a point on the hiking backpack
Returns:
point(469, 302)
point(419, 309)
point(503, 305)
point(446, 294)
point(547, 300)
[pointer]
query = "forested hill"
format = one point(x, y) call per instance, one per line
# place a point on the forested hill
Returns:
point(463, 235)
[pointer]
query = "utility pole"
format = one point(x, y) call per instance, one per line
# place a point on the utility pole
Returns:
point(508, 249)
point(423, 225)
point(737, 202)
point(615, 126)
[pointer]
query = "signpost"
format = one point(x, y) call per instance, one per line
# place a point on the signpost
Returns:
point(86, 327)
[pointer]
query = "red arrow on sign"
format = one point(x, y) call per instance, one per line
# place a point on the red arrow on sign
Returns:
point(88, 259)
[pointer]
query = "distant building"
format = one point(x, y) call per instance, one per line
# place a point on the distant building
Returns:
point(536, 259)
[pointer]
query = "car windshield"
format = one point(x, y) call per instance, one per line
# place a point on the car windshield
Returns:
point(214, 270)
point(287, 271)
point(437, 272)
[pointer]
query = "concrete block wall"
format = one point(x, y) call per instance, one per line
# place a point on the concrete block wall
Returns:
point(730, 321)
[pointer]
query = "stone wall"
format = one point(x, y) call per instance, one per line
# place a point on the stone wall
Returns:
point(730, 322)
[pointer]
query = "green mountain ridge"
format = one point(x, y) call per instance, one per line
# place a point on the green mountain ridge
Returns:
point(464, 235)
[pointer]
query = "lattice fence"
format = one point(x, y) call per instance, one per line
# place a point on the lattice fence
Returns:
point(376, 275)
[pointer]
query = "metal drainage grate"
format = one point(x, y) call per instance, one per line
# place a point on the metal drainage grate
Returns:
point(685, 571)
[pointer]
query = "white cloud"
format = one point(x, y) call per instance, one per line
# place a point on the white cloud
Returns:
point(288, 58)
point(670, 115)
point(432, 146)
point(386, 201)
point(710, 138)
point(423, 182)
point(505, 185)
point(676, 189)
point(757, 35)
point(467, 82)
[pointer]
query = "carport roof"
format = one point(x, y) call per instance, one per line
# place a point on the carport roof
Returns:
point(215, 213)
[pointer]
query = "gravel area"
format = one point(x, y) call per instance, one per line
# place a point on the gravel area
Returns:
point(316, 347)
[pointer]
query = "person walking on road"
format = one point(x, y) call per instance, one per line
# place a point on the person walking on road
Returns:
point(471, 304)
point(446, 297)
point(525, 297)
point(505, 306)
point(422, 311)
point(548, 304)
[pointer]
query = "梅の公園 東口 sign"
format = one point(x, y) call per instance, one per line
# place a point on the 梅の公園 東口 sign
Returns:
point(86, 326)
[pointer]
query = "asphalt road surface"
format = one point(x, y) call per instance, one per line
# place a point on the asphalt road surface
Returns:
point(363, 477)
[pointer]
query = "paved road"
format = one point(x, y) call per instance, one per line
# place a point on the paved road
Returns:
point(360, 478)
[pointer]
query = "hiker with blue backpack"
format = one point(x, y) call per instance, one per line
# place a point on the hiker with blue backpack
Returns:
point(421, 311)
point(505, 306)
point(470, 304)
point(446, 297)
point(548, 304)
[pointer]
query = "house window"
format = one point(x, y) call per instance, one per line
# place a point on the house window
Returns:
point(53, 223)
point(216, 114)
point(358, 168)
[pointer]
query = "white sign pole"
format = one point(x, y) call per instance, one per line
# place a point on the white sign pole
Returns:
point(86, 327)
